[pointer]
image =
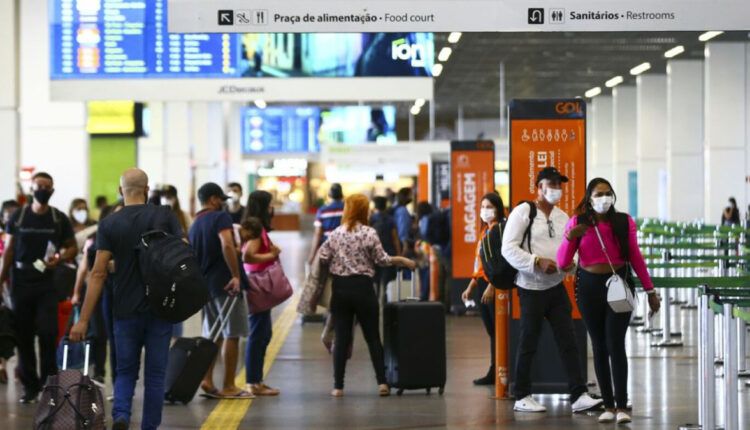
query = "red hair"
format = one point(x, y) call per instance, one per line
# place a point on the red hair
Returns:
point(356, 210)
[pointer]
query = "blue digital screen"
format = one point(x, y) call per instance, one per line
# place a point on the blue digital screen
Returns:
point(102, 39)
point(280, 129)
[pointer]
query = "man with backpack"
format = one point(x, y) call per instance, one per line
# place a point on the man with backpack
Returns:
point(385, 226)
point(39, 238)
point(136, 327)
point(327, 219)
point(402, 217)
point(532, 235)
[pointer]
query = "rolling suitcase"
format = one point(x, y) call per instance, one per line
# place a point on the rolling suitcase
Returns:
point(190, 358)
point(70, 400)
point(414, 343)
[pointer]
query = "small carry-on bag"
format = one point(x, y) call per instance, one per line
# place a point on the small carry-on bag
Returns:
point(414, 342)
point(190, 358)
point(619, 295)
point(70, 400)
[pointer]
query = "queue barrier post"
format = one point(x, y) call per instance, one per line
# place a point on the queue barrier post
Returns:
point(731, 386)
point(742, 370)
point(707, 372)
point(666, 338)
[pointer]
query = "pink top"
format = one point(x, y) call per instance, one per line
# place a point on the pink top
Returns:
point(590, 250)
point(265, 248)
point(353, 252)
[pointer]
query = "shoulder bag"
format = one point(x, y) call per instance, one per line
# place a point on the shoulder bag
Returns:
point(619, 295)
point(268, 287)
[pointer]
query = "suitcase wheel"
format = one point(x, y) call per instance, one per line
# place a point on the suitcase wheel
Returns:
point(400, 392)
point(441, 390)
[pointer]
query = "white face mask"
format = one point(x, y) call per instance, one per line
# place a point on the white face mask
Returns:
point(233, 197)
point(488, 215)
point(166, 201)
point(553, 195)
point(80, 215)
point(602, 204)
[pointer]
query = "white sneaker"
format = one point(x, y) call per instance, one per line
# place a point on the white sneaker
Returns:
point(586, 402)
point(623, 418)
point(607, 417)
point(528, 404)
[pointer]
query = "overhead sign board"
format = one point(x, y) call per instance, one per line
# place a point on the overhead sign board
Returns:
point(245, 16)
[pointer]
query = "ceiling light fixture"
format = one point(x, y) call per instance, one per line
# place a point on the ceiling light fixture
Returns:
point(593, 92)
point(705, 37)
point(415, 110)
point(677, 50)
point(261, 104)
point(419, 103)
point(454, 37)
point(437, 69)
point(445, 54)
point(637, 70)
point(617, 80)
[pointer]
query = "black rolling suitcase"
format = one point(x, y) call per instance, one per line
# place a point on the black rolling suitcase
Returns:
point(190, 358)
point(414, 341)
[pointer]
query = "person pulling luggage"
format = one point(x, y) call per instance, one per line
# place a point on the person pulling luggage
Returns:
point(352, 251)
point(541, 291)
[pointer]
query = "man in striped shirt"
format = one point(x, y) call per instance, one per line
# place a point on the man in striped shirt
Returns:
point(328, 219)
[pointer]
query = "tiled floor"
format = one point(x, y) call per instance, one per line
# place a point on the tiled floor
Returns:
point(663, 385)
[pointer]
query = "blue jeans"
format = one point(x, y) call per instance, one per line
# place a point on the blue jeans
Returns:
point(424, 287)
point(131, 336)
point(260, 337)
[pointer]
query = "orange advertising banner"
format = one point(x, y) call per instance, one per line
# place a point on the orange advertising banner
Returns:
point(547, 133)
point(472, 176)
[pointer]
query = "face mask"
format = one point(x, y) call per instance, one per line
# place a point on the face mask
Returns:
point(602, 204)
point(166, 201)
point(233, 197)
point(487, 215)
point(80, 215)
point(42, 196)
point(552, 195)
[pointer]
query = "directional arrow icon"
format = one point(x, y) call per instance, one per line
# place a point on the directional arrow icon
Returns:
point(226, 17)
point(536, 15)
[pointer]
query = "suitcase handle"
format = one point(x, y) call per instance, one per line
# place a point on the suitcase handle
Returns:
point(86, 355)
point(414, 281)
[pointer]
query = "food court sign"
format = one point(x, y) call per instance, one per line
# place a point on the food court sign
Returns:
point(271, 16)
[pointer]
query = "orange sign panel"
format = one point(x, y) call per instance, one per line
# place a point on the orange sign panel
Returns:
point(472, 176)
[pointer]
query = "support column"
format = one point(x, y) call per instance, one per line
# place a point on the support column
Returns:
point(601, 138)
point(150, 150)
point(624, 163)
point(685, 199)
point(53, 135)
point(725, 125)
point(9, 98)
point(651, 146)
point(177, 141)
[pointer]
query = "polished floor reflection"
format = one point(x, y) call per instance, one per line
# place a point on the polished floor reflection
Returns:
point(663, 385)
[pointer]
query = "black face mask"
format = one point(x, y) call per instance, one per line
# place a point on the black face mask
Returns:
point(42, 196)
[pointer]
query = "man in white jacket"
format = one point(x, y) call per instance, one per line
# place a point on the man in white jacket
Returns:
point(541, 291)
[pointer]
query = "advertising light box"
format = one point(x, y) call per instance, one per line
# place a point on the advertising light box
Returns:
point(111, 39)
point(280, 129)
point(358, 124)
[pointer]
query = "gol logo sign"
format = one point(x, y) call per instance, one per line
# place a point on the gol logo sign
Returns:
point(568, 107)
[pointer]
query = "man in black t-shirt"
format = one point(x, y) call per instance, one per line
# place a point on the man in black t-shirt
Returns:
point(39, 238)
point(234, 202)
point(135, 326)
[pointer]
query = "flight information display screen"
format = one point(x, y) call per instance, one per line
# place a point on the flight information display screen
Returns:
point(104, 39)
point(280, 129)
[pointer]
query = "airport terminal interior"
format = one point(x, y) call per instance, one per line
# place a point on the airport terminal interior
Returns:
point(282, 139)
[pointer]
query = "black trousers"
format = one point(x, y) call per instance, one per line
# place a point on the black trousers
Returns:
point(99, 332)
point(35, 309)
point(355, 296)
point(607, 330)
point(554, 306)
point(487, 313)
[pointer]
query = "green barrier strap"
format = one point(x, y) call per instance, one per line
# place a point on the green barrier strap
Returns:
point(717, 308)
point(681, 265)
point(730, 292)
point(744, 315)
point(706, 257)
point(717, 282)
point(685, 245)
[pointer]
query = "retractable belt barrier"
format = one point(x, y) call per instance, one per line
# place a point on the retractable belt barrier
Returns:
point(705, 268)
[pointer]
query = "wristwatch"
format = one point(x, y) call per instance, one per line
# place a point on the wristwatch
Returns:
point(651, 291)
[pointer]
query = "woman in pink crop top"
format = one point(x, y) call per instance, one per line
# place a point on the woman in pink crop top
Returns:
point(606, 328)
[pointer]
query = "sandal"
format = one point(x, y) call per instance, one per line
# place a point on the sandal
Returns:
point(242, 395)
point(262, 390)
point(210, 394)
point(337, 393)
point(384, 390)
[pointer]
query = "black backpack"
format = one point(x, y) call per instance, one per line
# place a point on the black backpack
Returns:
point(502, 275)
point(381, 227)
point(175, 286)
point(438, 231)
